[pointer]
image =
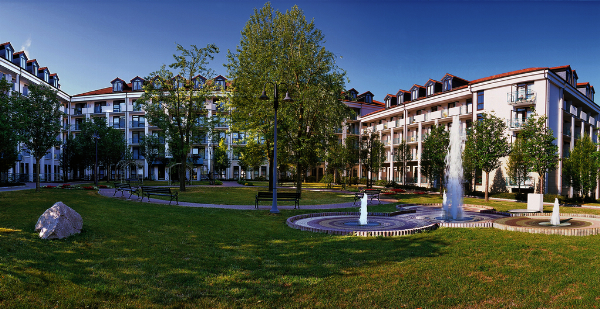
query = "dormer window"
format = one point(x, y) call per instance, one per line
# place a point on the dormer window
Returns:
point(415, 93)
point(137, 83)
point(448, 84)
point(568, 77)
point(23, 61)
point(368, 98)
point(199, 82)
point(8, 53)
point(117, 86)
point(430, 89)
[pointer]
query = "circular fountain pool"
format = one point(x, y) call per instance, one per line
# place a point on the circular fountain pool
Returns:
point(570, 224)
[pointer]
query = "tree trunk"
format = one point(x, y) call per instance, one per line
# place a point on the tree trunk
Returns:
point(487, 181)
point(37, 178)
point(182, 173)
point(299, 173)
point(542, 183)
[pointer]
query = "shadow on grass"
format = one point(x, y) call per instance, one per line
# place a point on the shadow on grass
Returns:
point(145, 255)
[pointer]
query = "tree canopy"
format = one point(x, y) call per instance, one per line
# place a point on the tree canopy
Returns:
point(486, 145)
point(286, 49)
point(433, 155)
point(8, 128)
point(175, 101)
point(541, 154)
point(580, 169)
point(40, 116)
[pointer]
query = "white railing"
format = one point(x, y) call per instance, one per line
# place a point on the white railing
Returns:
point(573, 110)
point(436, 115)
point(454, 111)
point(583, 116)
point(419, 118)
point(380, 127)
point(391, 124)
point(520, 97)
point(466, 109)
point(592, 121)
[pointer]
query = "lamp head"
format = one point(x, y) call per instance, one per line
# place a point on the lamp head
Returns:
point(288, 98)
point(263, 96)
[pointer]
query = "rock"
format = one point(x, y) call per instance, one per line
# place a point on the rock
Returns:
point(59, 221)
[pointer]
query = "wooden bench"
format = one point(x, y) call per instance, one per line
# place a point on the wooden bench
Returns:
point(160, 191)
point(371, 194)
point(126, 187)
point(281, 196)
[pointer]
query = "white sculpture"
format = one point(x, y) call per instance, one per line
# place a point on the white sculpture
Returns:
point(363, 210)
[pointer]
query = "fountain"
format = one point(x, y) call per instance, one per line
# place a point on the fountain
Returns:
point(363, 211)
point(452, 205)
point(555, 219)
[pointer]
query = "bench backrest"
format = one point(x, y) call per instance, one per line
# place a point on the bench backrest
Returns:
point(157, 189)
point(287, 194)
point(122, 185)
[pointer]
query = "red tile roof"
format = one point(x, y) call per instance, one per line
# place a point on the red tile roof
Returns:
point(7, 43)
point(137, 77)
point(32, 60)
point(18, 53)
point(504, 75)
point(454, 76)
point(561, 67)
point(221, 76)
point(583, 84)
point(106, 90)
point(112, 81)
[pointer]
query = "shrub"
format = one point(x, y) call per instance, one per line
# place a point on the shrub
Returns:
point(327, 179)
point(260, 178)
point(218, 182)
point(310, 179)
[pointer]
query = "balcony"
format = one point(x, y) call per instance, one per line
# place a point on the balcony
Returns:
point(117, 125)
point(436, 115)
point(352, 130)
point(567, 131)
point(98, 110)
point(583, 116)
point(78, 111)
point(338, 130)
point(238, 141)
point(137, 124)
point(518, 98)
point(516, 124)
point(133, 140)
point(386, 142)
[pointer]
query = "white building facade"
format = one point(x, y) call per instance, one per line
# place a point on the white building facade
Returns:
point(554, 92)
point(17, 69)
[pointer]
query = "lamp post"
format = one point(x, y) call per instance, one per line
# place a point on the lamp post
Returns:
point(96, 137)
point(287, 98)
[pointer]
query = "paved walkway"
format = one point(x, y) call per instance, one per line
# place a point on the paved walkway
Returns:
point(262, 206)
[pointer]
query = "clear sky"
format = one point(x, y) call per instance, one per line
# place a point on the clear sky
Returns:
point(385, 45)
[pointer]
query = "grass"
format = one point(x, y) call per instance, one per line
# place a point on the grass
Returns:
point(155, 256)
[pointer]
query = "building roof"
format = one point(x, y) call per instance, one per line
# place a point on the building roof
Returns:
point(107, 90)
point(504, 75)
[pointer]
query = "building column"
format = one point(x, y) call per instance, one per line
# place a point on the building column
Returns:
point(572, 145)
point(391, 176)
point(419, 150)
point(379, 171)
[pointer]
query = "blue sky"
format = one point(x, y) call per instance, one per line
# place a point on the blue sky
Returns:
point(384, 45)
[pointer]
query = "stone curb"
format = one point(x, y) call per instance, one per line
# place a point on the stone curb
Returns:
point(291, 223)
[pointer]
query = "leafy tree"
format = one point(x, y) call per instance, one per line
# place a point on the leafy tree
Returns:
point(40, 118)
point(342, 157)
point(252, 155)
point(152, 147)
point(401, 158)
point(221, 157)
point(286, 48)
point(581, 168)
point(540, 151)
point(486, 145)
point(433, 155)
point(176, 104)
point(516, 166)
point(372, 154)
point(67, 157)
point(112, 146)
point(8, 128)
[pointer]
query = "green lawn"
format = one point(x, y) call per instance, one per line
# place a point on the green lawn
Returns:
point(154, 256)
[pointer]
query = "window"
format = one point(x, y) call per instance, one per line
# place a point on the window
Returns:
point(9, 53)
point(136, 136)
point(118, 122)
point(198, 83)
point(98, 107)
point(23, 62)
point(469, 104)
point(368, 98)
point(198, 152)
point(415, 94)
point(136, 153)
point(137, 84)
point(480, 104)
point(46, 75)
point(25, 90)
point(117, 106)
point(434, 109)
point(430, 89)
point(479, 117)
point(138, 121)
point(448, 84)
point(117, 86)
point(451, 105)
point(524, 91)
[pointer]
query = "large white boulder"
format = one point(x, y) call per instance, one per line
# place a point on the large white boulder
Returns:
point(59, 221)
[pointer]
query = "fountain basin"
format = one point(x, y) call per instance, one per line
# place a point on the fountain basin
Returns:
point(571, 224)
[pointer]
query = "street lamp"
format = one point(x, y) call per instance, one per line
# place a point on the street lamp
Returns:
point(287, 98)
point(96, 137)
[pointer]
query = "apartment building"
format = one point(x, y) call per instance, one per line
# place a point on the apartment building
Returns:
point(117, 105)
point(18, 69)
point(554, 92)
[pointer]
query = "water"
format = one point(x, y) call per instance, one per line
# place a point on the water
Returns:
point(363, 211)
point(452, 206)
point(555, 219)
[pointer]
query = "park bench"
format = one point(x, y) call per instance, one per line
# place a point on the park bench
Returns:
point(281, 196)
point(160, 191)
point(371, 194)
point(135, 182)
point(126, 187)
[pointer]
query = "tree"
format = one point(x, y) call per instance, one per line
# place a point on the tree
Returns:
point(252, 155)
point(581, 168)
point(8, 128)
point(342, 157)
point(221, 157)
point(487, 144)
point(40, 118)
point(287, 49)
point(372, 154)
point(402, 155)
point(516, 166)
point(152, 147)
point(540, 151)
point(433, 155)
point(176, 103)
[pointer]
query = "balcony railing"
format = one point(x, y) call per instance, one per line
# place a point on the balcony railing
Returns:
point(519, 97)
point(98, 110)
point(516, 123)
point(567, 131)
point(134, 140)
point(117, 125)
point(352, 130)
point(137, 124)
